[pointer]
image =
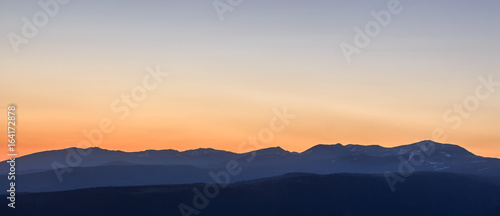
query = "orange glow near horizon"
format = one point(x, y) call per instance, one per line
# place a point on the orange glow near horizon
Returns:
point(174, 132)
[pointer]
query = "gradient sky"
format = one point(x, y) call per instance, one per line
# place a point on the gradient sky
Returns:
point(227, 76)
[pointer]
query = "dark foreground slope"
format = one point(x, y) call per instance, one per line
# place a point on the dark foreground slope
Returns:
point(338, 194)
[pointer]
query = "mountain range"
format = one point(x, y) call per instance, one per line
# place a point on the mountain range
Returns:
point(103, 168)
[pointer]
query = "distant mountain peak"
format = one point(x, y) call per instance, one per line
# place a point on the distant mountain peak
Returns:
point(448, 150)
point(323, 147)
point(272, 150)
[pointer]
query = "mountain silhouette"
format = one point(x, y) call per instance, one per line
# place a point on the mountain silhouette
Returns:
point(117, 168)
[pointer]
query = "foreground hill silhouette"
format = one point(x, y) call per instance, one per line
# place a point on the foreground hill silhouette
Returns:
point(424, 194)
point(115, 168)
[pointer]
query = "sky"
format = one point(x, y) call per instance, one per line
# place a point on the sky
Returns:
point(420, 76)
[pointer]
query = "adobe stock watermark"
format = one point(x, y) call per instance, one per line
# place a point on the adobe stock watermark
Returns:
point(461, 111)
point(223, 6)
point(222, 178)
point(454, 116)
point(363, 36)
point(31, 27)
point(121, 106)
